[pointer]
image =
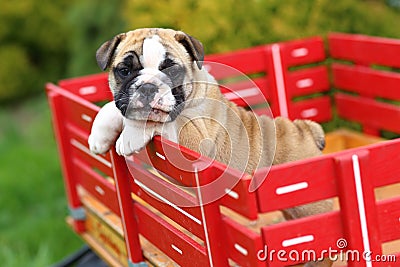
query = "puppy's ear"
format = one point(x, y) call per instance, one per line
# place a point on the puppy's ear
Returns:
point(106, 51)
point(193, 46)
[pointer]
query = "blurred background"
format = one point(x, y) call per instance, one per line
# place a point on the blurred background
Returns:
point(45, 41)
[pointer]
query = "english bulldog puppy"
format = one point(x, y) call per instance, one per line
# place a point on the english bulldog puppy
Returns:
point(160, 88)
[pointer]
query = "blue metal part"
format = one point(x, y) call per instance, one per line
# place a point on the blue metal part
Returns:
point(77, 213)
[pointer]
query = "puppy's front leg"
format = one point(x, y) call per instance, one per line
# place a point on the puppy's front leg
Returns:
point(105, 129)
point(134, 137)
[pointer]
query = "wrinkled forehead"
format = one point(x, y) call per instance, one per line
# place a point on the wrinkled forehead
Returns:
point(150, 44)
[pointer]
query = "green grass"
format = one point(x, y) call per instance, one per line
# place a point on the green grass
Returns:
point(32, 199)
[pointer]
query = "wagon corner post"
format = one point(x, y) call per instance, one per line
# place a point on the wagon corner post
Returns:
point(358, 206)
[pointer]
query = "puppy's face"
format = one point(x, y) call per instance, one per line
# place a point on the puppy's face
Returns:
point(149, 70)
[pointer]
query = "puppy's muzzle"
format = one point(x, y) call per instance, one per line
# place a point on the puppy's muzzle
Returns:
point(147, 92)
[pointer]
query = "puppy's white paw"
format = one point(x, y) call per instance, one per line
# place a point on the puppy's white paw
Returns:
point(127, 146)
point(99, 144)
point(133, 139)
point(105, 129)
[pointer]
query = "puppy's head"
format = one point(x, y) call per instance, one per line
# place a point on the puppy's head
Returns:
point(149, 70)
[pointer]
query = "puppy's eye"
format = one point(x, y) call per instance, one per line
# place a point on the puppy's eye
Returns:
point(124, 72)
point(167, 63)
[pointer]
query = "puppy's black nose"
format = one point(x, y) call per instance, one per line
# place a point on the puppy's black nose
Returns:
point(147, 91)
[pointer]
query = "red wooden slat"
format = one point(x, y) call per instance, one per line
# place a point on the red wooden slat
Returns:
point(283, 56)
point(357, 203)
point(167, 198)
point(301, 52)
point(307, 81)
point(296, 183)
point(129, 224)
point(385, 158)
point(316, 233)
point(56, 105)
point(172, 159)
point(230, 186)
point(78, 114)
point(97, 186)
point(388, 216)
point(271, 92)
point(75, 98)
point(161, 188)
point(364, 49)
point(366, 81)
point(245, 61)
point(179, 247)
point(78, 138)
point(78, 133)
point(242, 244)
point(318, 109)
point(79, 150)
point(211, 214)
point(368, 112)
point(192, 223)
point(239, 199)
point(92, 88)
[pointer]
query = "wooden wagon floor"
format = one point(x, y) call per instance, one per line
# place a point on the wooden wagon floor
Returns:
point(115, 253)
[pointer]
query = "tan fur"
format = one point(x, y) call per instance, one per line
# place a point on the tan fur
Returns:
point(251, 137)
point(242, 140)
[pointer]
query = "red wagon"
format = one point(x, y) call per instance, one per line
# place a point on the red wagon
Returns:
point(131, 213)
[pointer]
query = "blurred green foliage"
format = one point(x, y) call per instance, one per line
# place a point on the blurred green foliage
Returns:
point(48, 40)
point(32, 45)
point(93, 22)
point(228, 24)
point(32, 200)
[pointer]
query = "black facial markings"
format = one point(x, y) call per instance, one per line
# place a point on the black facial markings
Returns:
point(180, 98)
point(128, 66)
point(125, 74)
point(176, 73)
point(122, 98)
point(166, 64)
point(127, 71)
point(122, 101)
